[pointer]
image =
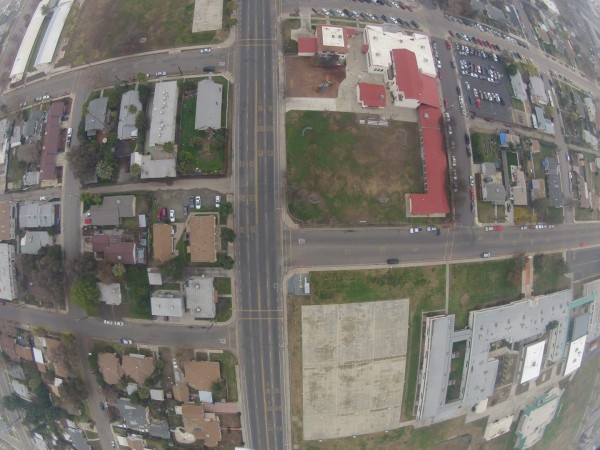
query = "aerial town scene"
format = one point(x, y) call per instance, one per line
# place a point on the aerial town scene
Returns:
point(299, 225)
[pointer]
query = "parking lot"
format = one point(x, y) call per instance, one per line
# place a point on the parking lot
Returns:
point(485, 83)
point(177, 199)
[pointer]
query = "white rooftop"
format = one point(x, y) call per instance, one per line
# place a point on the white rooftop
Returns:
point(8, 288)
point(537, 417)
point(20, 65)
point(52, 35)
point(208, 105)
point(575, 356)
point(164, 111)
point(533, 361)
point(110, 293)
point(333, 36)
point(167, 306)
point(498, 427)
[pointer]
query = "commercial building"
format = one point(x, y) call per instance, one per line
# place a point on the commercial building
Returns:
point(371, 95)
point(36, 215)
point(128, 112)
point(167, 304)
point(209, 100)
point(164, 112)
point(532, 366)
point(201, 297)
point(45, 54)
point(202, 244)
point(590, 108)
point(8, 285)
point(408, 86)
point(536, 417)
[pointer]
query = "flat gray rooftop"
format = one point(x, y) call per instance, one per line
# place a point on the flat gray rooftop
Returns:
point(593, 288)
point(353, 366)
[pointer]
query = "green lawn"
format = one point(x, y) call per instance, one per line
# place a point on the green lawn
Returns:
point(336, 174)
point(223, 309)
point(468, 291)
point(290, 47)
point(138, 290)
point(486, 212)
point(222, 285)
point(549, 274)
point(518, 104)
point(228, 363)
point(199, 148)
point(486, 147)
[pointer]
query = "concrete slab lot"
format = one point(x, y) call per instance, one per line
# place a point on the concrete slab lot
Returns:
point(353, 366)
point(208, 15)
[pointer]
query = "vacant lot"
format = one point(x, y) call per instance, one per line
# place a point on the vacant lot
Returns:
point(302, 79)
point(423, 286)
point(486, 147)
point(468, 292)
point(342, 172)
point(102, 29)
point(549, 274)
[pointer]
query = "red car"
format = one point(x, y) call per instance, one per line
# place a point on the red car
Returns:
point(448, 46)
point(162, 214)
point(472, 194)
point(477, 102)
point(497, 227)
point(88, 221)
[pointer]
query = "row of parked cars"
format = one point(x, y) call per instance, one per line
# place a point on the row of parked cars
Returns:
point(465, 50)
point(351, 14)
point(391, 3)
point(486, 29)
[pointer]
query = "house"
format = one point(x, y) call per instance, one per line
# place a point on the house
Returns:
point(590, 139)
point(21, 390)
point(7, 221)
point(112, 210)
point(181, 392)
point(8, 284)
point(204, 426)
point(50, 144)
point(159, 429)
point(200, 375)
point(134, 416)
point(154, 168)
point(555, 190)
point(157, 395)
point(201, 297)
point(494, 193)
point(53, 349)
point(164, 112)
point(208, 105)
point(590, 109)
point(137, 367)
point(538, 189)
point(36, 215)
point(519, 191)
point(120, 252)
point(167, 304)
point(128, 112)
point(520, 93)
point(95, 119)
point(76, 435)
point(163, 243)
point(371, 95)
point(9, 346)
point(33, 241)
point(110, 368)
point(110, 293)
point(203, 242)
point(154, 277)
point(537, 91)
point(541, 122)
point(134, 442)
point(23, 349)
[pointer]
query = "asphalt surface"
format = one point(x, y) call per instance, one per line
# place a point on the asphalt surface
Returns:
point(258, 228)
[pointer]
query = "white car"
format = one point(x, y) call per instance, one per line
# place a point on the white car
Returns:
point(198, 202)
point(172, 215)
point(174, 363)
point(119, 324)
point(161, 74)
point(471, 180)
point(126, 341)
point(205, 50)
point(432, 228)
point(43, 198)
point(108, 322)
point(217, 200)
point(416, 230)
point(453, 161)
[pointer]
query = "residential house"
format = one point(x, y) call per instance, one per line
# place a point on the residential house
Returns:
point(200, 375)
point(21, 390)
point(54, 349)
point(110, 293)
point(157, 395)
point(163, 243)
point(541, 122)
point(36, 215)
point(204, 426)
point(23, 349)
point(590, 109)
point(154, 276)
point(164, 112)
point(538, 189)
point(135, 416)
point(154, 168)
point(95, 119)
point(51, 144)
point(7, 221)
point(201, 297)
point(518, 192)
point(203, 242)
point(121, 252)
point(167, 304)
point(537, 91)
point(128, 112)
point(8, 284)
point(78, 439)
point(208, 105)
point(553, 180)
point(110, 367)
point(112, 210)
point(159, 429)
point(181, 392)
point(33, 241)
point(9, 346)
point(137, 367)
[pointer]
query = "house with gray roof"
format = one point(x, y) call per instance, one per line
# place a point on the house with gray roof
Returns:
point(164, 112)
point(134, 416)
point(167, 304)
point(33, 241)
point(537, 91)
point(154, 168)
point(78, 439)
point(208, 105)
point(128, 111)
point(200, 297)
point(36, 215)
point(112, 210)
point(555, 190)
point(493, 192)
point(518, 86)
point(95, 119)
point(159, 430)
point(8, 285)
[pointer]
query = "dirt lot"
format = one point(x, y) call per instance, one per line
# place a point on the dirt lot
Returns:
point(302, 78)
point(337, 175)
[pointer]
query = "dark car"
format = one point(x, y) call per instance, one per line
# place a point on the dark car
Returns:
point(209, 69)
point(467, 139)
point(393, 261)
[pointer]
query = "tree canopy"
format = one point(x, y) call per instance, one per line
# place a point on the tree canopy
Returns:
point(86, 294)
point(83, 159)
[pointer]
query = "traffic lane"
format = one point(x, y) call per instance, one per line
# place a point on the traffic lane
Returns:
point(584, 263)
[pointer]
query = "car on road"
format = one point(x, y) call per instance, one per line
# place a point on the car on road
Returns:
point(185, 210)
point(171, 215)
point(209, 69)
point(119, 324)
point(206, 50)
point(112, 444)
point(43, 198)
point(416, 230)
point(453, 161)
point(497, 227)
point(489, 228)
point(108, 322)
point(393, 261)
point(431, 228)
point(126, 341)
point(467, 139)
point(486, 255)
point(161, 74)
point(191, 202)
point(197, 202)
point(448, 45)
point(524, 227)
point(217, 201)
point(471, 180)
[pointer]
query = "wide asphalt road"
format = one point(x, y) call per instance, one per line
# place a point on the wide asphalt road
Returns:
point(258, 229)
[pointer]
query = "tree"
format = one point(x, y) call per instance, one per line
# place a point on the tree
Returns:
point(230, 22)
point(168, 147)
point(119, 270)
point(227, 234)
point(73, 390)
point(512, 69)
point(105, 273)
point(45, 9)
point(86, 294)
point(225, 261)
point(141, 77)
point(83, 159)
point(136, 169)
point(132, 109)
point(84, 264)
point(143, 392)
point(104, 169)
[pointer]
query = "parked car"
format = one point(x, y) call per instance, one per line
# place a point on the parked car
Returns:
point(217, 201)
point(209, 69)
point(198, 202)
point(171, 215)
point(161, 214)
point(205, 50)
point(486, 255)
point(471, 180)
point(185, 210)
point(416, 229)
point(108, 322)
point(161, 74)
point(43, 198)
point(431, 228)
point(393, 261)
point(126, 341)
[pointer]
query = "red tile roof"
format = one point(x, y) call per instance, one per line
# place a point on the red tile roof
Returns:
point(406, 72)
point(307, 45)
point(120, 252)
point(429, 91)
point(372, 95)
point(99, 242)
point(50, 142)
point(435, 201)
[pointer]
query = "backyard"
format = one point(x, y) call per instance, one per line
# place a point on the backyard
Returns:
point(132, 26)
point(336, 174)
point(423, 286)
point(467, 292)
point(201, 149)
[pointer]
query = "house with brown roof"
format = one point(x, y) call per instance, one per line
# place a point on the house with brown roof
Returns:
point(201, 375)
point(54, 347)
point(7, 221)
point(203, 242)
point(110, 367)
point(162, 242)
point(181, 392)
point(24, 352)
point(120, 252)
point(9, 347)
point(135, 443)
point(204, 426)
point(137, 367)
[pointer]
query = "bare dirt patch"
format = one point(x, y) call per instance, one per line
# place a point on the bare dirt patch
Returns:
point(303, 79)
